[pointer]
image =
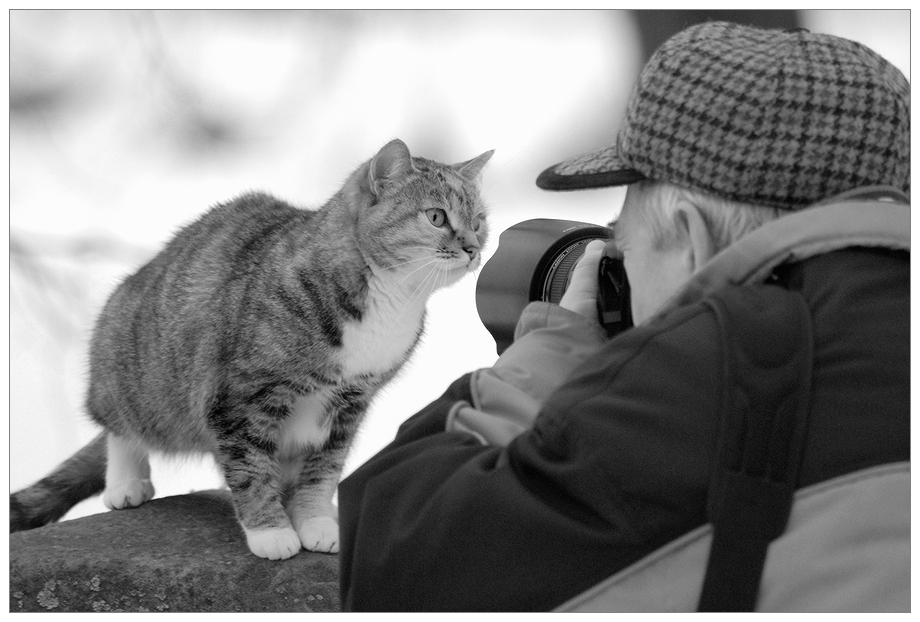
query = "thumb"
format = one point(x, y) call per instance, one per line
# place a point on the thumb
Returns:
point(581, 295)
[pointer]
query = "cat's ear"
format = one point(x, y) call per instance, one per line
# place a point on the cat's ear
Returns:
point(391, 164)
point(471, 168)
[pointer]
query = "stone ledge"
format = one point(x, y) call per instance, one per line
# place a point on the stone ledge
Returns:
point(184, 553)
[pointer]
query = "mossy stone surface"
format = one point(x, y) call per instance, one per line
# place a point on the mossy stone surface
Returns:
point(183, 553)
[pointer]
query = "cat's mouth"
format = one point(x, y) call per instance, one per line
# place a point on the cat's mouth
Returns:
point(448, 271)
point(453, 262)
point(459, 264)
point(439, 270)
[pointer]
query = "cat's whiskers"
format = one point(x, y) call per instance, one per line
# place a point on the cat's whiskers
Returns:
point(431, 261)
point(442, 280)
point(404, 263)
point(422, 291)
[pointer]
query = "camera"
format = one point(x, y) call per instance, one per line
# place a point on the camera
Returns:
point(534, 261)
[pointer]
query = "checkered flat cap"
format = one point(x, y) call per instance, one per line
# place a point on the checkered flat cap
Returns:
point(769, 117)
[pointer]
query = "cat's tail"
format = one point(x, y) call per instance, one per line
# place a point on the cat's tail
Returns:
point(79, 477)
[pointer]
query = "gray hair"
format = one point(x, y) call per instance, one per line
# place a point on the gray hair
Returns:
point(726, 220)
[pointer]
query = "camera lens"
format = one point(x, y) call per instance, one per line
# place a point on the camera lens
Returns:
point(559, 273)
point(534, 261)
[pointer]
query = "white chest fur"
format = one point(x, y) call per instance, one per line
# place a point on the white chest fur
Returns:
point(379, 342)
point(389, 326)
point(307, 426)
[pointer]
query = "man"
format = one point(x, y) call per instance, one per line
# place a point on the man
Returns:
point(575, 455)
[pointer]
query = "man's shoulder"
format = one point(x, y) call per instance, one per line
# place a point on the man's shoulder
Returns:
point(762, 310)
point(687, 346)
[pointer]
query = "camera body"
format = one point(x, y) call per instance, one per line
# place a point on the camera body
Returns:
point(534, 262)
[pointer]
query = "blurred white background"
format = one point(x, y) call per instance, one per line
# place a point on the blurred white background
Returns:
point(126, 125)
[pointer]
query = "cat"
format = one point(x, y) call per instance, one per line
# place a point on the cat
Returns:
point(260, 334)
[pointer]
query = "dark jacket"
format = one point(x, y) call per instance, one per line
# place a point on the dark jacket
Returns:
point(618, 461)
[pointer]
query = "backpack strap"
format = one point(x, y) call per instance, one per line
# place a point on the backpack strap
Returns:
point(767, 380)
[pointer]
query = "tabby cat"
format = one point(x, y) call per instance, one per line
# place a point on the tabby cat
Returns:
point(260, 334)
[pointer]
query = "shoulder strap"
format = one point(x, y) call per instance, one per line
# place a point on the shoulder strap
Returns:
point(767, 380)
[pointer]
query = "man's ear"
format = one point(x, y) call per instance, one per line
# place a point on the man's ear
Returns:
point(700, 246)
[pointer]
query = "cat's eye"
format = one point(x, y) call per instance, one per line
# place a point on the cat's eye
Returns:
point(436, 216)
point(477, 222)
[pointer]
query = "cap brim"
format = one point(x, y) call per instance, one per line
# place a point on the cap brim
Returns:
point(551, 180)
point(595, 169)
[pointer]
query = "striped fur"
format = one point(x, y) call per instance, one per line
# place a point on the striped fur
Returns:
point(261, 333)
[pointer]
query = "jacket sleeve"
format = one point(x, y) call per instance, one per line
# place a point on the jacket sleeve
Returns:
point(437, 521)
point(550, 342)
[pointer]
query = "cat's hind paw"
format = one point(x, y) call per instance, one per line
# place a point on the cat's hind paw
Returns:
point(320, 534)
point(275, 543)
point(129, 493)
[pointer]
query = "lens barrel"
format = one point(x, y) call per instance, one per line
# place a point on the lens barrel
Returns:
point(534, 261)
point(559, 273)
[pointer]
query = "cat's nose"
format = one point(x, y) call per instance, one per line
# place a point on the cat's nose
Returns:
point(472, 251)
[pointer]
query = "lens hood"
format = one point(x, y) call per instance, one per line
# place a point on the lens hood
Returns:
point(534, 261)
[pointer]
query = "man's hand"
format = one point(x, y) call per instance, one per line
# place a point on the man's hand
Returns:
point(581, 295)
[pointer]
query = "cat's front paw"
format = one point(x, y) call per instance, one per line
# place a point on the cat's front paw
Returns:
point(320, 533)
point(275, 543)
point(129, 493)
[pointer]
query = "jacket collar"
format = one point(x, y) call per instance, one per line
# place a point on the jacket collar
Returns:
point(869, 217)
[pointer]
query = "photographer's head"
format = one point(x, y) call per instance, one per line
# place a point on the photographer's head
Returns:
point(667, 233)
point(729, 127)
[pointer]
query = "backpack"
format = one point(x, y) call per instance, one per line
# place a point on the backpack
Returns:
point(840, 545)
